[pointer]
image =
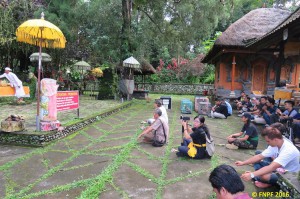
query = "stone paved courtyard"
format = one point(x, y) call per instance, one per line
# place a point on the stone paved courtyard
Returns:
point(105, 161)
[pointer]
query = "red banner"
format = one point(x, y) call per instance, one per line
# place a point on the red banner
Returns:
point(67, 100)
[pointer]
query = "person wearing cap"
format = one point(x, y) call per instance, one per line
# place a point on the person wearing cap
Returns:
point(14, 82)
point(247, 138)
point(284, 153)
point(158, 132)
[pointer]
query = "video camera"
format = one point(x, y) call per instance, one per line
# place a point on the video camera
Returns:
point(286, 120)
point(184, 118)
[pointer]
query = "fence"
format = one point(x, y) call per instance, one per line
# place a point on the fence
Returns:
point(92, 88)
point(176, 88)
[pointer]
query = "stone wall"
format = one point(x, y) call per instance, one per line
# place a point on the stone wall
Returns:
point(171, 88)
point(30, 139)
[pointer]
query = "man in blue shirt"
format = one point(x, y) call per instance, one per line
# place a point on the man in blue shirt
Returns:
point(229, 107)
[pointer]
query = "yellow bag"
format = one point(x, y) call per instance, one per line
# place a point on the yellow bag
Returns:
point(192, 150)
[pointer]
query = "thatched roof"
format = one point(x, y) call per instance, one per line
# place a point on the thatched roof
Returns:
point(146, 68)
point(290, 21)
point(251, 26)
point(197, 67)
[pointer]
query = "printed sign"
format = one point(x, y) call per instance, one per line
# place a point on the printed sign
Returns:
point(67, 100)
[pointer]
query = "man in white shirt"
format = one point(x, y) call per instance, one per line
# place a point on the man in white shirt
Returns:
point(284, 153)
point(158, 104)
point(14, 82)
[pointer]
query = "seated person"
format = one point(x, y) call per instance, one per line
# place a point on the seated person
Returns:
point(229, 107)
point(247, 138)
point(158, 104)
point(256, 112)
point(219, 110)
point(158, 131)
point(296, 127)
point(239, 100)
point(266, 161)
point(227, 183)
point(254, 102)
point(194, 142)
point(288, 113)
point(246, 105)
point(285, 154)
point(268, 110)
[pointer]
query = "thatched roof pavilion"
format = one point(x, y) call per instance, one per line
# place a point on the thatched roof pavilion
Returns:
point(251, 26)
point(145, 68)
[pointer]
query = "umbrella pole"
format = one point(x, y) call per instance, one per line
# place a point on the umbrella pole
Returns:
point(39, 89)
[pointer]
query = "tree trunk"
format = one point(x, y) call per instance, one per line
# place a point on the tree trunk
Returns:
point(125, 40)
point(24, 61)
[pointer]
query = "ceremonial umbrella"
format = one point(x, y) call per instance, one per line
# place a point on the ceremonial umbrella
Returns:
point(131, 62)
point(82, 65)
point(35, 57)
point(41, 33)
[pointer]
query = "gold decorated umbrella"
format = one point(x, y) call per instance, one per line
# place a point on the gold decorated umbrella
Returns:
point(41, 33)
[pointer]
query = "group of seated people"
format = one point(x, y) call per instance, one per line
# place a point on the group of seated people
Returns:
point(265, 111)
point(281, 155)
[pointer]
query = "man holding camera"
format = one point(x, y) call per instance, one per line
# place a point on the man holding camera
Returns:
point(156, 134)
point(194, 139)
point(289, 113)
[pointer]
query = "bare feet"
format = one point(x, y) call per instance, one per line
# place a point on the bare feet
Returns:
point(147, 140)
point(261, 184)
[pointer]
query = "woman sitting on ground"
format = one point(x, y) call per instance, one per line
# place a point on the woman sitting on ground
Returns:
point(194, 141)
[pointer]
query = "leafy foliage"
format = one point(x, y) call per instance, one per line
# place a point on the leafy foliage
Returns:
point(154, 30)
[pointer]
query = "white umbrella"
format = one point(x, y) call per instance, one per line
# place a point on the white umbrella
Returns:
point(35, 57)
point(131, 62)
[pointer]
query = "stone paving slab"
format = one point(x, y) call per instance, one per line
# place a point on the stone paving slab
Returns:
point(105, 161)
point(135, 185)
point(70, 194)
